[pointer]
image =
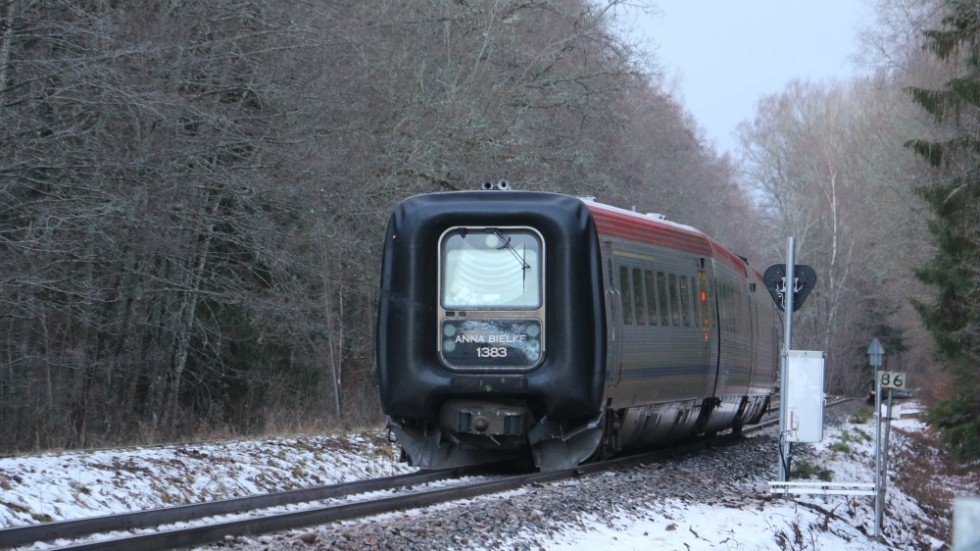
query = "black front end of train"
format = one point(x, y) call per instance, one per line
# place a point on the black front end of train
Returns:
point(491, 339)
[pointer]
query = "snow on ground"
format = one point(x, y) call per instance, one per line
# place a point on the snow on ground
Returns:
point(70, 485)
point(809, 522)
point(712, 528)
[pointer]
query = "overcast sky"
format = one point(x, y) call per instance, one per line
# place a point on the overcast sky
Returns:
point(727, 54)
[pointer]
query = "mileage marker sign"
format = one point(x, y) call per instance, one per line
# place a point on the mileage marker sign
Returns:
point(894, 380)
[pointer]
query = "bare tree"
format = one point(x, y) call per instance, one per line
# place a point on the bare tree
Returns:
point(192, 195)
point(828, 160)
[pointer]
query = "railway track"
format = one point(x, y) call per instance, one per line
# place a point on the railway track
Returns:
point(82, 528)
point(163, 531)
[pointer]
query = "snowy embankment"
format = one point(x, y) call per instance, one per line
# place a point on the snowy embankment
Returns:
point(716, 499)
point(71, 485)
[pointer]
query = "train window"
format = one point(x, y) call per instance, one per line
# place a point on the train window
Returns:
point(743, 309)
point(625, 295)
point(651, 288)
point(737, 300)
point(730, 307)
point(641, 316)
point(722, 307)
point(491, 268)
point(675, 311)
point(726, 305)
point(695, 309)
point(662, 298)
point(737, 309)
point(685, 301)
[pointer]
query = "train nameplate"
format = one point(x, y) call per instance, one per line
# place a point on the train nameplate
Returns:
point(495, 343)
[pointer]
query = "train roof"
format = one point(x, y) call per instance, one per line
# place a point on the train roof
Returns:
point(653, 229)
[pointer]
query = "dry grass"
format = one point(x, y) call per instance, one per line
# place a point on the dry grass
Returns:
point(925, 471)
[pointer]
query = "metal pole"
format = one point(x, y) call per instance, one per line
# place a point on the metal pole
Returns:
point(789, 286)
point(884, 453)
point(878, 487)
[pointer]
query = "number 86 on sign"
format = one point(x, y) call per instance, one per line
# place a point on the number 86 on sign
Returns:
point(892, 379)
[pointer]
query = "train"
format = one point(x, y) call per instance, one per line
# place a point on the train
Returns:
point(548, 330)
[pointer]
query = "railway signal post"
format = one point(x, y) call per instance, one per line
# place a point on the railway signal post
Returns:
point(789, 286)
point(875, 354)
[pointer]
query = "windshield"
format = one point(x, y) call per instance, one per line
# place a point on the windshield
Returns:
point(491, 268)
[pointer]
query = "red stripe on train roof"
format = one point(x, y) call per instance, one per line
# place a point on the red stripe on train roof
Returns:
point(615, 222)
point(734, 259)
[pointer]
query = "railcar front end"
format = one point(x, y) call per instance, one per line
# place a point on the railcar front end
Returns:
point(491, 340)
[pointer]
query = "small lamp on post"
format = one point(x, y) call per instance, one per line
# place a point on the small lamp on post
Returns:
point(876, 354)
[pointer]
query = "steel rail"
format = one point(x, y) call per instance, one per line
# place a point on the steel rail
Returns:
point(198, 535)
point(323, 515)
point(24, 535)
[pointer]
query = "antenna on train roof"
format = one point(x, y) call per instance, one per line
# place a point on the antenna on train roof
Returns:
point(501, 185)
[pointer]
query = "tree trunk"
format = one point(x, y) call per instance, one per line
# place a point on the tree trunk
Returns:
point(6, 32)
point(188, 310)
point(334, 325)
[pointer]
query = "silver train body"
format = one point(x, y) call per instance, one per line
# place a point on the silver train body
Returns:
point(522, 325)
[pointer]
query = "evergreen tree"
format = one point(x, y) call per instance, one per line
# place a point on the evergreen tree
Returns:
point(953, 318)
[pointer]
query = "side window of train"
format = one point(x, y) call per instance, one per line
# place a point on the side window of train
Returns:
point(732, 308)
point(741, 306)
point(651, 289)
point(695, 302)
point(641, 316)
point(685, 301)
point(626, 295)
point(725, 315)
point(739, 311)
point(662, 298)
point(726, 304)
point(723, 305)
point(746, 307)
point(675, 311)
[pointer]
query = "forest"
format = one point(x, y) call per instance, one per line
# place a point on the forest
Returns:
point(193, 195)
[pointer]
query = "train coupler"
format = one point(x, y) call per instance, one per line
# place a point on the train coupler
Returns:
point(484, 418)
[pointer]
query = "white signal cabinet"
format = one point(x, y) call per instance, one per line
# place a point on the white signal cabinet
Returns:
point(804, 395)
